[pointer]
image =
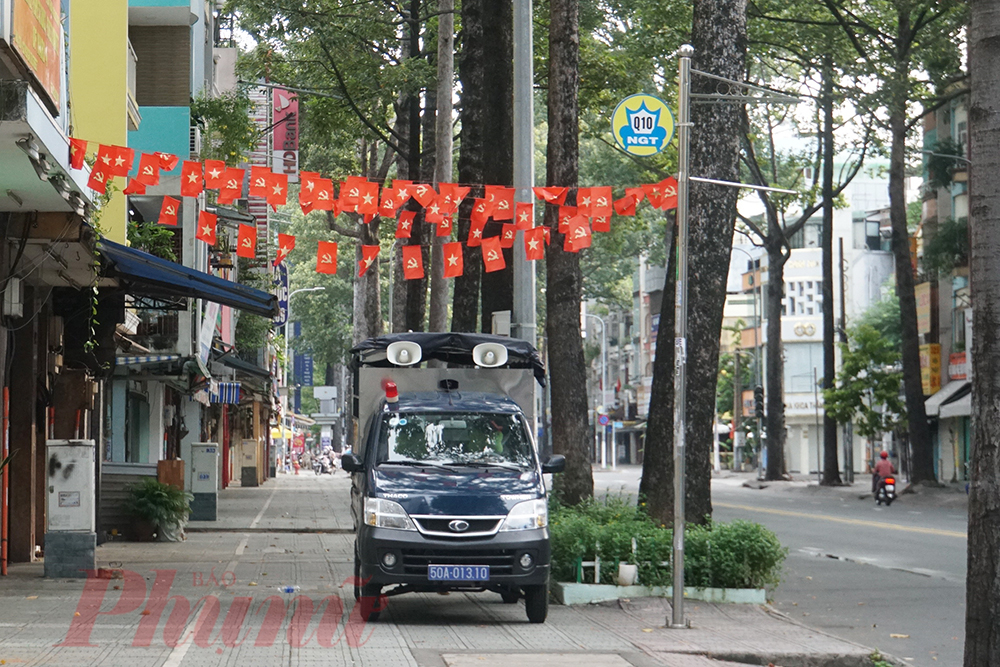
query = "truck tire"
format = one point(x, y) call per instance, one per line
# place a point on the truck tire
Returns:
point(371, 602)
point(357, 575)
point(536, 602)
point(510, 595)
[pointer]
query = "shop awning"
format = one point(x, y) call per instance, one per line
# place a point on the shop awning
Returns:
point(141, 359)
point(143, 274)
point(961, 407)
point(933, 404)
point(239, 365)
point(229, 392)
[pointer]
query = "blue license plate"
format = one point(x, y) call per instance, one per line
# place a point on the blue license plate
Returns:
point(458, 572)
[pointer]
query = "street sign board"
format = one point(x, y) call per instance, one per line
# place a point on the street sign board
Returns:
point(642, 125)
point(603, 420)
point(619, 425)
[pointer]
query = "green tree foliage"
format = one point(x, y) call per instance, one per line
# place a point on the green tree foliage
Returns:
point(153, 238)
point(883, 316)
point(230, 130)
point(252, 331)
point(868, 384)
point(948, 248)
point(944, 157)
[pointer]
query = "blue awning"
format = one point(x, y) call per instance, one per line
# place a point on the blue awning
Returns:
point(229, 392)
point(143, 274)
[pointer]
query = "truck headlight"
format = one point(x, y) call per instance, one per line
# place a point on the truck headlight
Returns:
point(527, 515)
point(383, 513)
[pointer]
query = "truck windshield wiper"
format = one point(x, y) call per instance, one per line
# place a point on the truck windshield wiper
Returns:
point(418, 464)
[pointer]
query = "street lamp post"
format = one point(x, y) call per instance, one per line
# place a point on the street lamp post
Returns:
point(285, 413)
point(604, 388)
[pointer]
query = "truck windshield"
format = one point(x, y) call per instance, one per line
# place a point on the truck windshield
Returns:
point(461, 438)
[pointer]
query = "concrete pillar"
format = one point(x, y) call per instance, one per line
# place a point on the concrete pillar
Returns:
point(119, 389)
point(156, 421)
point(191, 415)
point(23, 439)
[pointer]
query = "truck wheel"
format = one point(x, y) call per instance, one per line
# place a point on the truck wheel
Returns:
point(510, 595)
point(536, 602)
point(372, 602)
point(357, 575)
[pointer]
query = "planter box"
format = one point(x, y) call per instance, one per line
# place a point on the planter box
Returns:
point(570, 594)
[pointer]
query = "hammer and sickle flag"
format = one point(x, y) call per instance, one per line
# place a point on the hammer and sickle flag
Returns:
point(168, 211)
point(246, 242)
point(326, 257)
point(149, 169)
point(493, 255)
point(413, 262)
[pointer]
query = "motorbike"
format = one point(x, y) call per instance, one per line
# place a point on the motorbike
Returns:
point(886, 492)
point(317, 466)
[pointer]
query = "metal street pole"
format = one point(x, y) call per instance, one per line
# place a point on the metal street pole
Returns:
point(523, 326)
point(680, 328)
point(604, 386)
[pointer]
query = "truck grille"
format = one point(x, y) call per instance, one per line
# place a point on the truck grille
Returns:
point(415, 561)
point(439, 526)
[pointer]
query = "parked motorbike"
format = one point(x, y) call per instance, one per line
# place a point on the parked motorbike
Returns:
point(317, 466)
point(886, 492)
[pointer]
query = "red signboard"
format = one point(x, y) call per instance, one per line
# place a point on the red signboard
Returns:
point(37, 36)
point(285, 135)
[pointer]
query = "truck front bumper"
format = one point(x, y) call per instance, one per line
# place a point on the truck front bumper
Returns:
point(414, 552)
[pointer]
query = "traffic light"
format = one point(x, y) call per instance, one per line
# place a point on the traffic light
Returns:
point(758, 401)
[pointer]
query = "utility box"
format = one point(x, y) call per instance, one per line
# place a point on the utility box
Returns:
point(70, 537)
point(204, 481)
point(248, 463)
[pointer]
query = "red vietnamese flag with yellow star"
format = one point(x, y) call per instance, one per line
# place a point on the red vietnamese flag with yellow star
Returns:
point(534, 243)
point(246, 242)
point(369, 253)
point(277, 190)
point(583, 201)
point(307, 188)
point(191, 179)
point(286, 243)
point(435, 211)
point(524, 215)
point(149, 170)
point(404, 190)
point(475, 233)
point(493, 255)
point(207, 223)
point(413, 262)
point(404, 228)
point(105, 158)
point(326, 257)
point(555, 196)
point(122, 158)
point(453, 260)
point(77, 152)
point(215, 174)
point(368, 199)
point(168, 211)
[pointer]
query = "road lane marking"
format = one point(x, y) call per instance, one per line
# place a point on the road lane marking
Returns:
point(264, 508)
point(853, 522)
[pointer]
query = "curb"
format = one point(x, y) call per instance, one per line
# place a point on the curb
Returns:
point(578, 594)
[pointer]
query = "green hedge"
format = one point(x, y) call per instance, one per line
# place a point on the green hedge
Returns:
point(740, 554)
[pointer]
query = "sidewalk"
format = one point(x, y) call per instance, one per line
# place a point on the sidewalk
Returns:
point(267, 598)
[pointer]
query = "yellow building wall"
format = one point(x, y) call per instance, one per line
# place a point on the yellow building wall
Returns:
point(98, 88)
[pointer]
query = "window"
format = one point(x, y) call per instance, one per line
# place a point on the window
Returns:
point(460, 438)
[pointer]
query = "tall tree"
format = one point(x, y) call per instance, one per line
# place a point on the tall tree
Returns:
point(982, 599)
point(486, 149)
point(902, 42)
point(570, 432)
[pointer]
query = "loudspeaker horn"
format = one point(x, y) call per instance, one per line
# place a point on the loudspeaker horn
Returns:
point(403, 353)
point(489, 355)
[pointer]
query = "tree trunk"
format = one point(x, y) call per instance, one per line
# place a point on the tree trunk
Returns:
point(982, 598)
point(570, 432)
point(718, 33)
point(920, 440)
point(774, 394)
point(831, 466)
point(656, 488)
point(486, 147)
point(438, 313)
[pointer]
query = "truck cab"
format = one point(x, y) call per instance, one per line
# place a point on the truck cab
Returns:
point(448, 490)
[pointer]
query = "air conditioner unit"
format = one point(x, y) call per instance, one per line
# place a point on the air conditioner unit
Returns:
point(195, 142)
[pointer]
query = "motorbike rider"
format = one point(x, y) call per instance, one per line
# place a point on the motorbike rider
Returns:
point(883, 468)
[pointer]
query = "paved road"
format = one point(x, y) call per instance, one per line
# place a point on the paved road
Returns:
point(862, 572)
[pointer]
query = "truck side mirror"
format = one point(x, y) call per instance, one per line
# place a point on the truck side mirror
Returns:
point(554, 463)
point(351, 463)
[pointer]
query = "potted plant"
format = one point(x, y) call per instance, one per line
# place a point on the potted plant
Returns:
point(157, 508)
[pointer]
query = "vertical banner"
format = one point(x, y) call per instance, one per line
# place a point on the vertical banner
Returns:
point(285, 135)
point(36, 35)
point(207, 332)
point(281, 290)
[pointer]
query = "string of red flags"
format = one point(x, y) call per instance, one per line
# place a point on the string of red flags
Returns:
point(439, 206)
